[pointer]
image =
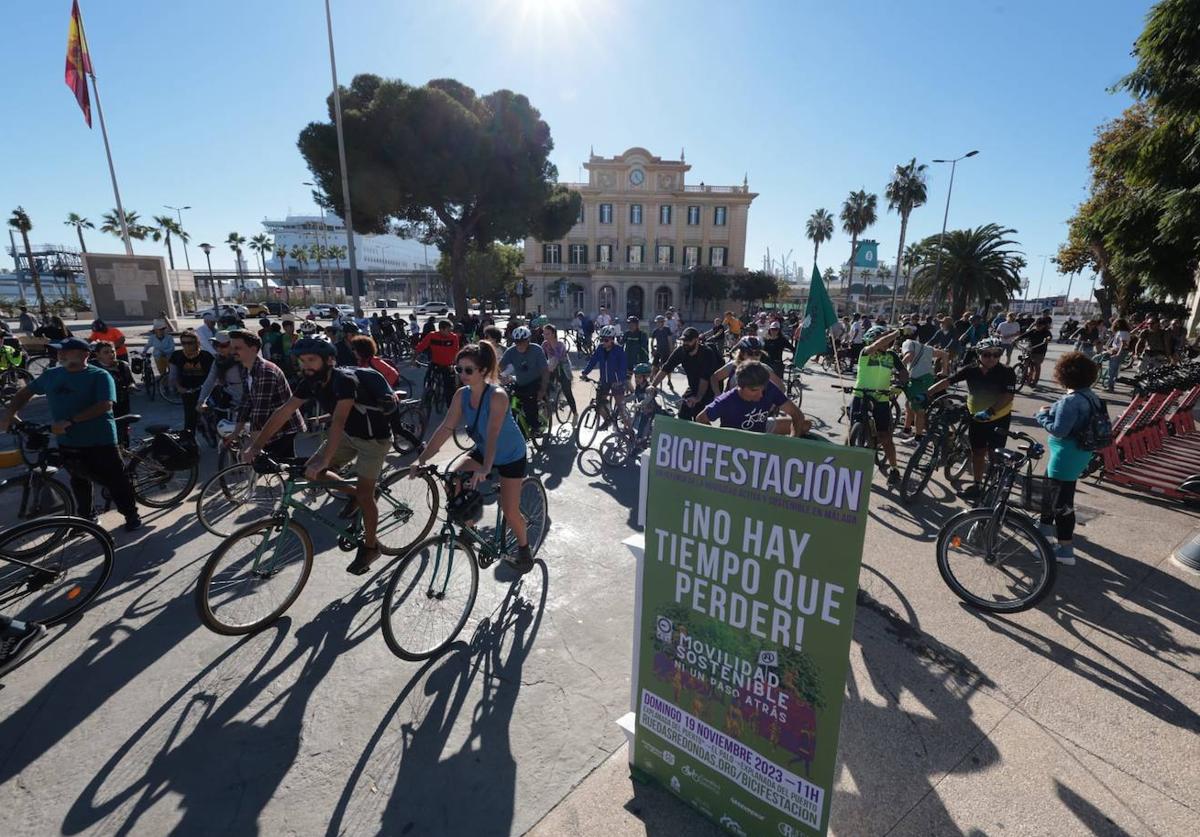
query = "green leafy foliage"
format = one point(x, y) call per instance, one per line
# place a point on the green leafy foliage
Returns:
point(980, 265)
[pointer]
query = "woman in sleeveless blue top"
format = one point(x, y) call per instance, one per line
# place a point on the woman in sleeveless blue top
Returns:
point(483, 409)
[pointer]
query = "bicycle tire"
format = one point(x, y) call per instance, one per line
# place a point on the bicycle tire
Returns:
point(957, 460)
point(920, 467)
point(204, 588)
point(207, 429)
point(958, 530)
point(37, 364)
point(412, 588)
point(535, 509)
point(860, 435)
point(47, 497)
point(394, 533)
point(72, 538)
point(149, 385)
point(587, 428)
point(234, 491)
point(15, 380)
point(463, 439)
point(169, 393)
point(146, 473)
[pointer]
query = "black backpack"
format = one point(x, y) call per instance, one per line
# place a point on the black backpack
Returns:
point(1095, 433)
point(375, 398)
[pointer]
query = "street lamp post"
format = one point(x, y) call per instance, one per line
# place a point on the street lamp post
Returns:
point(179, 213)
point(348, 217)
point(937, 273)
point(212, 287)
point(1045, 258)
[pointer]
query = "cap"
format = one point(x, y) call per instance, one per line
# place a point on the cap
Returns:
point(632, 318)
point(690, 333)
point(72, 344)
point(160, 323)
point(221, 337)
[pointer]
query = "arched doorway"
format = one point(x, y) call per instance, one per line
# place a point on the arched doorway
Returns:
point(663, 299)
point(635, 301)
point(607, 298)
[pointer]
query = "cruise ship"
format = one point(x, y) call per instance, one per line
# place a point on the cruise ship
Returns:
point(374, 253)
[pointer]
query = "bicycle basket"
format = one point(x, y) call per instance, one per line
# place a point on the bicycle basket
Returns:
point(465, 507)
point(1034, 488)
point(174, 451)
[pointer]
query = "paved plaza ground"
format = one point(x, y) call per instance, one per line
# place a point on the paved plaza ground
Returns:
point(1079, 717)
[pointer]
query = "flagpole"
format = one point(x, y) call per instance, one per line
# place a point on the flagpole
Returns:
point(104, 133)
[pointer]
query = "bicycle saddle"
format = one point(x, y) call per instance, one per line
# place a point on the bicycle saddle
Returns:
point(132, 418)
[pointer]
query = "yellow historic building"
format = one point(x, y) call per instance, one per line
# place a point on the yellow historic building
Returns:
point(642, 226)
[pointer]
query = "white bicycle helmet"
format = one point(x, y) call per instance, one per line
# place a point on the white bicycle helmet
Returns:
point(521, 333)
point(989, 343)
point(609, 331)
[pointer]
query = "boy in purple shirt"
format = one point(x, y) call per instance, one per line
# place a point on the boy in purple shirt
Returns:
point(749, 405)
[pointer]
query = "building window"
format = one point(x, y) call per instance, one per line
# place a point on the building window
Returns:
point(664, 215)
point(606, 213)
point(635, 213)
point(607, 297)
point(551, 254)
point(604, 253)
point(691, 256)
point(634, 253)
point(662, 298)
point(664, 254)
point(579, 217)
point(718, 216)
point(716, 256)
point(693, 216)
point(577, 254)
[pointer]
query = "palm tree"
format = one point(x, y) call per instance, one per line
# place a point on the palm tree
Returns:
point(112, 225)
point(818, 230)
point(904, 193)
point(318, 254)
point(165, 227)
point(21, 223)
point(235, 242)
point(74, 219)
point(262, 245)
point(913, 255)
point(858, 213)
point(979, 265)
point(299, 254)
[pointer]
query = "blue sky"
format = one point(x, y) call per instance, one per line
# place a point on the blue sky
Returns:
point(810, 99)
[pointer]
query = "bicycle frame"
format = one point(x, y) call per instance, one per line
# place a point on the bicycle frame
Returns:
point(489, 550)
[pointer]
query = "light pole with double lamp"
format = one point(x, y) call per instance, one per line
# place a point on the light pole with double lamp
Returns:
point(937, 273)
point(212, 287)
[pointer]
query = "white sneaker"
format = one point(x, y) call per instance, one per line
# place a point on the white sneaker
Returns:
point(1066, 557)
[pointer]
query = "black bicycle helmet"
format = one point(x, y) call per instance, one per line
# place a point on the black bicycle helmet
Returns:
point(313, 346)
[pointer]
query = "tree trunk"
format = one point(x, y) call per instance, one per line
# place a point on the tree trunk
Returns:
point(37, 282)
point(816, 249)
point(899, 262)
point(170, 252)
point(458, 274)
point(853, 250)
point(82, 246)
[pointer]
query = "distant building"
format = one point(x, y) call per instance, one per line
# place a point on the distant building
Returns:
point(641, 227)
point(374, 253)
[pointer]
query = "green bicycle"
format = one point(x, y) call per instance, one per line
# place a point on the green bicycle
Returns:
point(431, 593)
point(256, 573)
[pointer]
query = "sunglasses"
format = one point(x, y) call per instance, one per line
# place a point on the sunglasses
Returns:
point(465, 370)
point(989, 354)
point(607, 339)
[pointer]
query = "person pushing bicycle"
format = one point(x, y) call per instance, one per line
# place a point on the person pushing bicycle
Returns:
point(877, 364)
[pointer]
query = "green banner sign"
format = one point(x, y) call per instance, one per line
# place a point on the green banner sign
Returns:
point(753, 546)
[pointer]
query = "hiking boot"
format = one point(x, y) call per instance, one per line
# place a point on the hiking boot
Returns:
point(893, 478)
point(16, 639)
point(363, 559)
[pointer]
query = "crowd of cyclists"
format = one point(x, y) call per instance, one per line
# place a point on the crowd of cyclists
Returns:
point(264, 381)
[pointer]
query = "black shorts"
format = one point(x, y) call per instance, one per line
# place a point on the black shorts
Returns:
point(988, 435)
point(508, 471)
point(661, 357)
point(881, 409)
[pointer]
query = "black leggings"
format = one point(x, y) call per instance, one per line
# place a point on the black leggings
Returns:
point(1058, 507)
point(190, 415)
point(103, 465)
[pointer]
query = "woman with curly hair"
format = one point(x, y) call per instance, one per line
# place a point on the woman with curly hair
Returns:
point(1064, 420)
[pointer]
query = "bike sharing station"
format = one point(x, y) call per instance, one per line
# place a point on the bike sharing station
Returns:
point(744, 613)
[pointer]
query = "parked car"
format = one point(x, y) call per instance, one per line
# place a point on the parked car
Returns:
point(224, 310)
point(387, 303)
point(345, 310)
point(266, 309)
point(432, 308)
point(323, 310)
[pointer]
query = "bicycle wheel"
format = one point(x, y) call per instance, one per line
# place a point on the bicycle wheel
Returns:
point(236, 496)
point(957, 461)
point(1003, 566)
point(587, 427)
point(66, 562)
point(37, 365)
point(43, 496)
point(149, 386)
point(463, 439)
point(407, 510)
point(562, 409)
point(429, 597)
point(207, 428)
point(154, 484)
point(169, 393)
point(1022, 375)
point(920, 467)
point(254, 576)
point(535, 511)
point(540, 438)
point(860, 435)
point(15, 380)
point(412, 422)
point(615, 449)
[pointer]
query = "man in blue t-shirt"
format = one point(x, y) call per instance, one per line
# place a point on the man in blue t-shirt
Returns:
point(81, 399)
point(749, 405)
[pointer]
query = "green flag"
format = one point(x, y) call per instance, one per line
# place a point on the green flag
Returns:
point(818, 317)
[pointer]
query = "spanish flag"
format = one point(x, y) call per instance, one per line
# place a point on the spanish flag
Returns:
point(79, 63)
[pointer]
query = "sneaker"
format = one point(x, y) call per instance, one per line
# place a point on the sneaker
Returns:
point(523, 562)
point(912, 442)
point(363, 559)
point(904, 431)
point(1049, 531)
point(15, 641)
point(1064, 553)
point(349, 509)
point(132, 523)
point(893, 477)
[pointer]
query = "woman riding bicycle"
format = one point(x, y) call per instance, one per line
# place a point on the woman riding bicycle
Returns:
point(558, 359)
point(482, 407)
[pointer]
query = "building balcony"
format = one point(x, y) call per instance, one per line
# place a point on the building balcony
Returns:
point(615, 267)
